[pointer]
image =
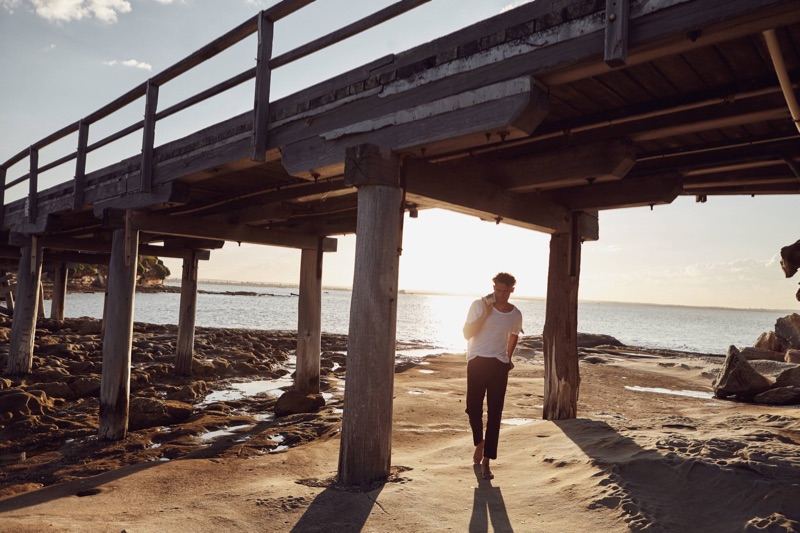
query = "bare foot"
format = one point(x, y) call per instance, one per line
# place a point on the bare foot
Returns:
point(478, 455)
point(485, 470)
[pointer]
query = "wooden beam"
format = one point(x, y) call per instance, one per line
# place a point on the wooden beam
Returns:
point(26, 311)
point(509, 109)
point(560, 333)
point(184, 350)
point(465, 191)
point(148, 136)
point(177, 253)
point(570, 165)
point(617, 19)
point(195, 244)
point(33, 185)
point(309, 322)
point(366, 440)
point(173, 192)
point(198, 227)
point(776, 174)
point(117, 338)
point(80, 165)
point(58, 304)
point(628, 192)
point(263, 77)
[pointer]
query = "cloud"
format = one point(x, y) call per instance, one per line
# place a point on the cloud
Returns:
point(131, 63)
point(68, 10)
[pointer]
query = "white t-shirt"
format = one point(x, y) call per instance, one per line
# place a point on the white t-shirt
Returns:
point(492, 339)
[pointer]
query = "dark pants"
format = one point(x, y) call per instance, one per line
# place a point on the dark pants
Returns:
point(486, 376)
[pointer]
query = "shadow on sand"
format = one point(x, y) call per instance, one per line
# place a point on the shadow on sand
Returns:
point(688, 482)
point(350, 509)
point(488, 506)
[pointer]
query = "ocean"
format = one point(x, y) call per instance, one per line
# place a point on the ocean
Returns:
point(436, 319)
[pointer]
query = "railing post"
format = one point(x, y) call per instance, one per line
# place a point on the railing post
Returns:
point(33, 183)
point(80, 165)
point(263, 76)
point(149, 136)
point(2, 195)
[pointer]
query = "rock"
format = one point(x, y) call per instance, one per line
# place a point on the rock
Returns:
point(191, 392)
point(791, 356)
point(293, 402)
point(85, 386)
point(770, 368)
point(16, 405)
point(57, 389)
point(790, 259)
point(752, 354)
point(737, 377)
point(89, 327)
point(46, 375)
point(5, 383)
point(789, 378)
point(787, 329)
point(779, 396)
point(591, 340)
point(203, 370)
point(769, 341)
point(61, 349)
point(148, 412)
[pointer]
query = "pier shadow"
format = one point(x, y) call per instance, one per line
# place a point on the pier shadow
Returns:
point(488, 507)
point(690, 482)
point(84, 488)
point(336, 509)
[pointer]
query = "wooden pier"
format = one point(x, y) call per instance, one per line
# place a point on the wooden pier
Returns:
point(540, 117)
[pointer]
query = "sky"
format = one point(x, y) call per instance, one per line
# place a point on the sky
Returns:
point(60, 60)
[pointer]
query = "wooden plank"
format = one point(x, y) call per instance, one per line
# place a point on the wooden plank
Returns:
point(23, 327)
point(433, 127)
point(560, 333)
point(197, 227)
point(628, 192)
point(167, 193)
point(617, 21)
point(309, 322)
point(33, 184)
point(366, 440)
point(263, 76)
point(284, 8)
point(80, 165)
point(3, 172)
point(379, 17)
point(571, 165)
point(58, 304)
point(177, 253)
point(117, 338)
point(237, 34)
point(149, 137)
point(467, 192)
point(184, 350)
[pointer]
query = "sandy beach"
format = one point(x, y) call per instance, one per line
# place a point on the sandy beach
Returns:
point(634, 460)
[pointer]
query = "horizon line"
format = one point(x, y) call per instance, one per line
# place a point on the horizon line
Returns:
point(473, 294)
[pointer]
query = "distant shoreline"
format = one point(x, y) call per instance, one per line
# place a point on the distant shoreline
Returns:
point(176, 281)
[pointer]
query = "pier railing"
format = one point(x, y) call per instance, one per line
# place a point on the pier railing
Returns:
point(263, 24)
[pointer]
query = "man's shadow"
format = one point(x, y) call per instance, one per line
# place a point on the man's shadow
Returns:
point(488, 505)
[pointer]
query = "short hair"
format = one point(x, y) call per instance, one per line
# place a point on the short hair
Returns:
point(505, 278)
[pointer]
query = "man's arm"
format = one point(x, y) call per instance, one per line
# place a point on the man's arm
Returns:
point(512, 345)
point(473, 328)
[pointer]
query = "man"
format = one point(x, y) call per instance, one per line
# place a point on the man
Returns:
point(492, 328)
